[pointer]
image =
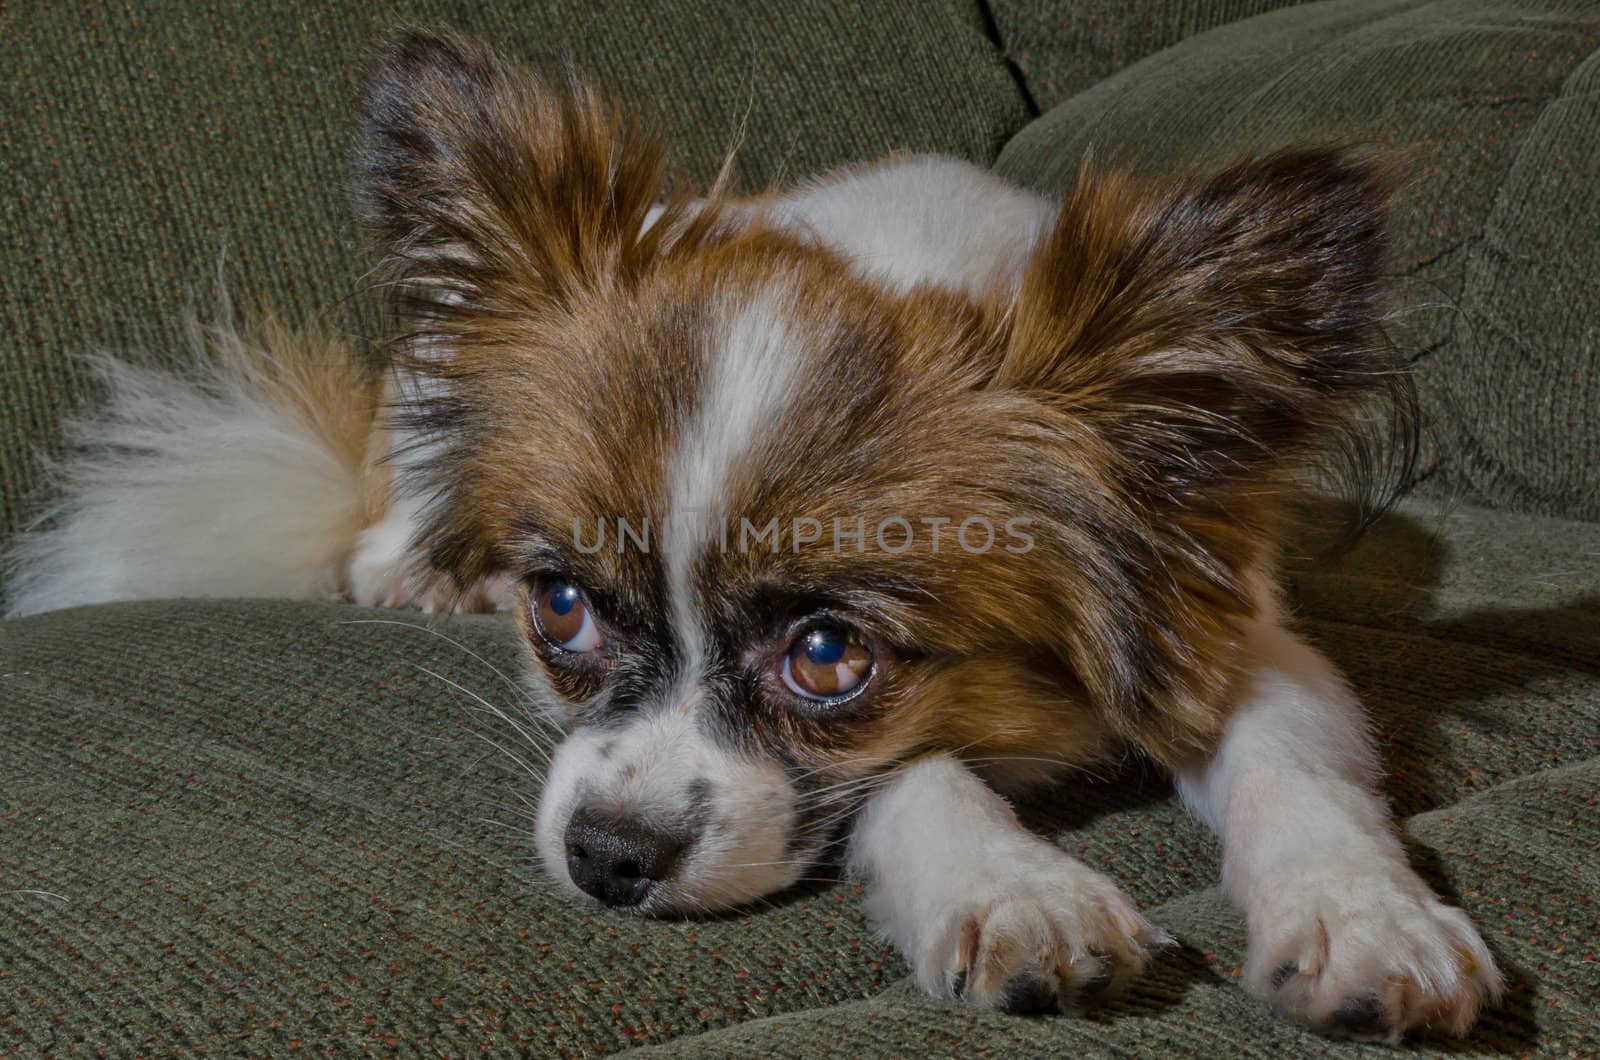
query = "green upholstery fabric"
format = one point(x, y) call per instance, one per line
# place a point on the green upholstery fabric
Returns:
point(1494, 106)
point(248, 827)
point(1061, 47)
point(241, 825)
point(138, 141)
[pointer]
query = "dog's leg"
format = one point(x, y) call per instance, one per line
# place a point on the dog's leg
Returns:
point(1343, 934)
point(383, 569)
point(984, 910)
point(379, 574)
point(383, 572)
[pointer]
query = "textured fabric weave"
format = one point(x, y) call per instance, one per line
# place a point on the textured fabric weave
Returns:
point(1493, 108)
point(1061, 47)
point(247, 826)
point(138, 142)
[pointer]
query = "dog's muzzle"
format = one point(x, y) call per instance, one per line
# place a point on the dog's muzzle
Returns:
point(620, 860)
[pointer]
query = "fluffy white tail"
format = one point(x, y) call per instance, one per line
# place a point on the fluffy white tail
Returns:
point(242, 476)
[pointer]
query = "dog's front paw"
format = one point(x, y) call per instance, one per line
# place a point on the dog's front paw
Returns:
point(399, 589)
point(1369, 955)
point(379, 577)
point(1037, 939)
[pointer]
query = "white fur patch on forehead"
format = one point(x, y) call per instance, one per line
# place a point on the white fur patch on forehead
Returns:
point(754, 367)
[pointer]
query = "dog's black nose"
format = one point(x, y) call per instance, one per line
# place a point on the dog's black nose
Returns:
point(619, 859)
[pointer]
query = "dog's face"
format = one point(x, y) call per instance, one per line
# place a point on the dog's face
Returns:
point(772, 538)
point(779, 529)
point(735, 629)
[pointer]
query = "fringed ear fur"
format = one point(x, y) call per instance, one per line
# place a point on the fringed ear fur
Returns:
point(487, 186)
point(500, 203)
point(1213, 329)
point(1207, 344)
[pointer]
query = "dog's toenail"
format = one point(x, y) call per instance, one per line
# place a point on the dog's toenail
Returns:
point(1360, 1015)
point(958, 983)
point(1286, 971)
point(1097, 983)
point(1028, 995)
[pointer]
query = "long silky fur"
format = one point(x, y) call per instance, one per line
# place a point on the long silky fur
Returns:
point(237, 475)
point(1216, 342)
point(494, 195)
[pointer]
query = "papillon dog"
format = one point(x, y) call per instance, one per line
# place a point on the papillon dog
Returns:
point(832, 518)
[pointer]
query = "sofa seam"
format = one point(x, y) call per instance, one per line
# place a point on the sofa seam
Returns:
point(991, 32)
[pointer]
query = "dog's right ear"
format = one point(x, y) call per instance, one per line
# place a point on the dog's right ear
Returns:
point(486, 186)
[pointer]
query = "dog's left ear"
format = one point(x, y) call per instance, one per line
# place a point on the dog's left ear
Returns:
point(1209, 329)
point(1190, 350)
point(480, 180)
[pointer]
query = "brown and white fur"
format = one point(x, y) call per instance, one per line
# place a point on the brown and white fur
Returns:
point(1135, 383)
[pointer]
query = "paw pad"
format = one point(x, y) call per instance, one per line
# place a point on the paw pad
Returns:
point(1029, 995)
point(1360, 1017)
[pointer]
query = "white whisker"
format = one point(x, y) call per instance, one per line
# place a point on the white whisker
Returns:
point(538, 778)
point(528, 832)
point(491, 667)
point(526, 811)
point(42, 894)
point(494, 710)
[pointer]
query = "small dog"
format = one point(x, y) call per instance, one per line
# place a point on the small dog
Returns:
point(831, 515)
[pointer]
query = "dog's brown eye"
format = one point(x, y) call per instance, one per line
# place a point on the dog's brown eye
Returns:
point(563, 617)
point(828, 662)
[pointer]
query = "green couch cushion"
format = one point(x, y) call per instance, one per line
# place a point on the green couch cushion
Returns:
point(1061, 47)
point(1494, 106)
point(138, 141)
point(242, 825)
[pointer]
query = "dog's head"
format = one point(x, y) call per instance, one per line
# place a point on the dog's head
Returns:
point(779, 527)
